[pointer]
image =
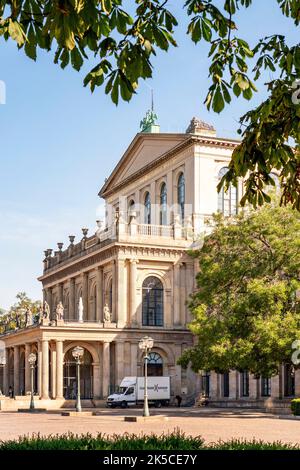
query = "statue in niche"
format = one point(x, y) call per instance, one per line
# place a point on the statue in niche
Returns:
point(59, 312)
point(106, 314)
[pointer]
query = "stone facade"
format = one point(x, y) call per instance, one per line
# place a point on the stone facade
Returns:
point(158, 199)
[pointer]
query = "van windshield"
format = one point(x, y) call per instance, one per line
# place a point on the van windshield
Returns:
point(120, 390)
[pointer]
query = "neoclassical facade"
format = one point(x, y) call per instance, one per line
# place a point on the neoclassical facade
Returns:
point(133, 277)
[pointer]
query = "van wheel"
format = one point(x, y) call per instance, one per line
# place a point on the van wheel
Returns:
point(124, 404)
point(158, 404)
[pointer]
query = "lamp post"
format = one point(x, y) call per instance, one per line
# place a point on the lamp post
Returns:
point(146, 344)
point(77, 353)
point(32, 361)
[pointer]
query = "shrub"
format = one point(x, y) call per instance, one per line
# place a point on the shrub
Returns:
point(295, 406)
point(171, 441)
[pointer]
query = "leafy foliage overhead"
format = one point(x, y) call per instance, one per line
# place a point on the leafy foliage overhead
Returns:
point(246, 310)
point(124, 42)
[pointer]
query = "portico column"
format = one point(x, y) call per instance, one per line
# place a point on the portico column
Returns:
point(27, 368)
point(59, 369)
point(40, 366)
point(72, 314)
point(6, 374)
point(121, 294)
point(176, 294)
point(53, 371)
point(133, 278)
point(106, 368)
point(85, 298)
point(119, 361)
point(16, 370)
point(45, 369)
point(99, 297)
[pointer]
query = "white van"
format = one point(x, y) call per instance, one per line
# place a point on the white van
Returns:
point(131, 392)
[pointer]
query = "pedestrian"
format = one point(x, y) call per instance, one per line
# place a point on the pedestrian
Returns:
point(10, 392)
point(179, 400)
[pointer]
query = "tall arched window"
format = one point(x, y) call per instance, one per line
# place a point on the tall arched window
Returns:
point(147, 208)
point(181, 195)
point(153, 302)
point(227, 201)
point(155, 365)
point(163, 204)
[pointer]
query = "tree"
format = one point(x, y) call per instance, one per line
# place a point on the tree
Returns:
point(246, 310)
point(14, 318)
point(124, 43)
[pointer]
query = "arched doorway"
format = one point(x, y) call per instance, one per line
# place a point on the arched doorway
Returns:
point(155, 365)
point(86, 376)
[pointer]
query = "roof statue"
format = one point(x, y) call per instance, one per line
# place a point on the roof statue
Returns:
point(197, 126)
point(149, 122)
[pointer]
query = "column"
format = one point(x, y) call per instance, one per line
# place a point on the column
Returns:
point(6, 374)
point(59, 369)
point(114, 291)
point(177, 381)
point(169, 197)
point(133, 294)
point(53, 372)
point(119, 359)
point(60, 293)
point(214, 392)
point(176, 294)
point(27, 369)
point(183, 294)
point(16, 370)
point(45, 369)
point(106, 369)
point(99, 306)
point(72, 312)
point(85, 297)
point(40, 366)
point(153, 201)
point(297, 383)
point(121, 309)
point(253, 395)
point(133, 360)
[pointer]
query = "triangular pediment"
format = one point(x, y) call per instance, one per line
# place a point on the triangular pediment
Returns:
point(143, 150)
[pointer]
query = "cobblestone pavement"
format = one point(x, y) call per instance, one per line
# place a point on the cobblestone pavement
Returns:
point(211, 424)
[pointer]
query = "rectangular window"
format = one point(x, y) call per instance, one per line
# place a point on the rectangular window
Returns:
point(265, 387)
point(226, 385)
point(245, 383)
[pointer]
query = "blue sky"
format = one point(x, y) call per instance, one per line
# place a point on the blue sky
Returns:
point(59, 142)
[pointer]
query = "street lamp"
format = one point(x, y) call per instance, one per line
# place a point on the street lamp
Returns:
point(146, 344)
point(77, 353)
point(32, 361)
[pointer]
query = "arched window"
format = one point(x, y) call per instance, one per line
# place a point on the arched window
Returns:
point(147, 209)
point(86, 376)
point(153, 302)
point(163, 204)
point(181, 195)
point(109, 296)
point(155, 365)
point(227, 201)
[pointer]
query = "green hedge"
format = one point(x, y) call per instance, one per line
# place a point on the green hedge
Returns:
point(295, 406)
point(173, 441)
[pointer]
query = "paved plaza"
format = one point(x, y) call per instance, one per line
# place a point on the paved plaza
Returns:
point(211, 424)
